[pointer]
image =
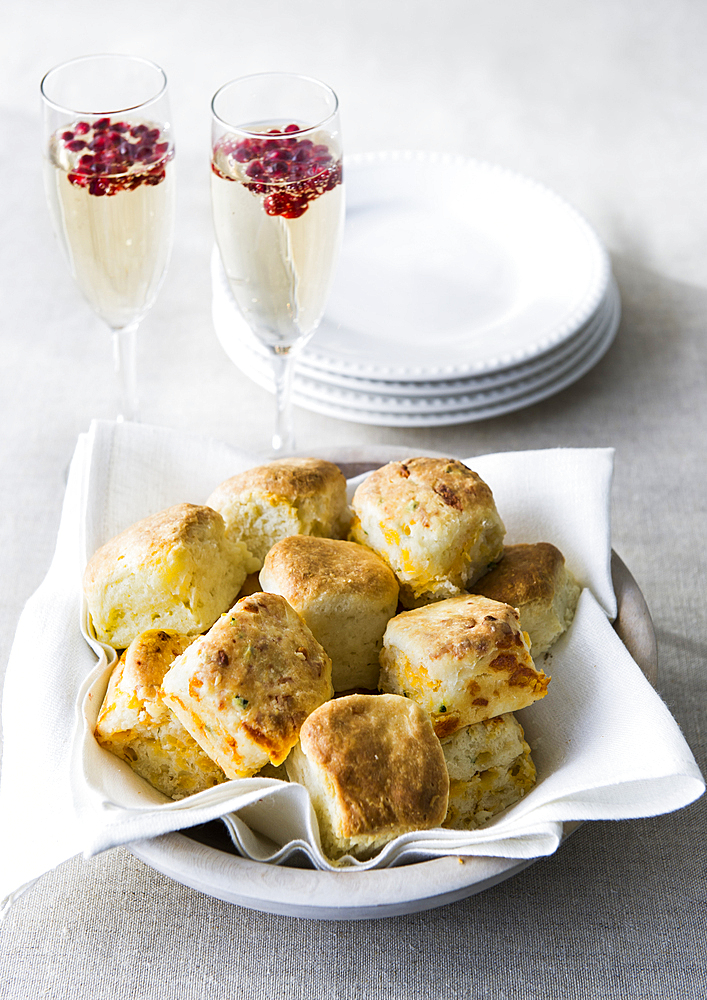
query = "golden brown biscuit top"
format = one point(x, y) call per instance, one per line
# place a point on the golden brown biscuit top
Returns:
point(148, 658)
point(262, 659)
point(427, 487)
point(468, 626)
point(525, 573)
point(384, 760)
point(153, 536)
point(288, 479)
point(306, 567)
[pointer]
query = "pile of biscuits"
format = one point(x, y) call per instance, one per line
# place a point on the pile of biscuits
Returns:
point(373, 653)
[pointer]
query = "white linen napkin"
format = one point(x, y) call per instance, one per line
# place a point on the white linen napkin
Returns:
point(604, 744)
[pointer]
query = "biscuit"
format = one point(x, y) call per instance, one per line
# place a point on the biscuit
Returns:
point(244, 689)
point(344, 592)
point(535, 580)
point(290, 496)
point(490, 769)
point(434, 522)
point(175, 569)
point(374, 770)
point(135, 724)
point(464, 660)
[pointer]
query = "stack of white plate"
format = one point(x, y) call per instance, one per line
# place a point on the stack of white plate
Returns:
point(464, 291)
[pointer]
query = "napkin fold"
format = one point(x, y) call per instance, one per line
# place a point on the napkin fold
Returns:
point(604, 744)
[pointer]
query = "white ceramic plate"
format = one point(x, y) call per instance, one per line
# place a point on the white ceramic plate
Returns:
point(440, 411)
point(454, 387)
point(452, 268)
point(435, 414)
point(204, 859)
point(344, 400)
point(252, 358)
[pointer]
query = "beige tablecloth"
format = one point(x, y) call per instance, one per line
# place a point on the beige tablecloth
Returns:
point(603, 102)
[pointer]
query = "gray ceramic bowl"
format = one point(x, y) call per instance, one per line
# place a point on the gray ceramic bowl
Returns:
point(204, 859)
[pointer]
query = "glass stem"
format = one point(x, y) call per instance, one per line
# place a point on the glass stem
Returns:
point(124, 362)
point(283, 363)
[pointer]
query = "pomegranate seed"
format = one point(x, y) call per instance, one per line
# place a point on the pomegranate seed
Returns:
point(301, 170)
point(108, 164)
point(276, 204)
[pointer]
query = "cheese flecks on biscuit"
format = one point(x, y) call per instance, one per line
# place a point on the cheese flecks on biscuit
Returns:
point(434, 521)
point(175, 569)
point(374, 770)
point(244, 689)
point(490, 769)
point(344, 592)
point(289, 496)
point(534, 579)
point(135, 724)
point(464, 660)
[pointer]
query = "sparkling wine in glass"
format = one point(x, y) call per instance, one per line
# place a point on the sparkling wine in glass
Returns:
point(278, 206)
point(109, 177)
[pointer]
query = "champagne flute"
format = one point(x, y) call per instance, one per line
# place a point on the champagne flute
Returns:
point(278, 207)
point(109, 178)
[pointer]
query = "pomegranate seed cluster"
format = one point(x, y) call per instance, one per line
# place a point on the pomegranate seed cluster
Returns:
point(107, 157)
point(290, 172)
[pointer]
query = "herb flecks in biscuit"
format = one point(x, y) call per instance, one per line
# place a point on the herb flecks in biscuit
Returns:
point(244, 689)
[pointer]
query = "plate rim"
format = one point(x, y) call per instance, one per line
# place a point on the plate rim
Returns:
point(252, 361)
point(495, 396)
point(390, 418)
point(471, 414)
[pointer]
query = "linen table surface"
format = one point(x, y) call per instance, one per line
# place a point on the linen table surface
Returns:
point(606, 104)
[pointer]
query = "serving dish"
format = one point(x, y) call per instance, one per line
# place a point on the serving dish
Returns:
point(205, 860)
